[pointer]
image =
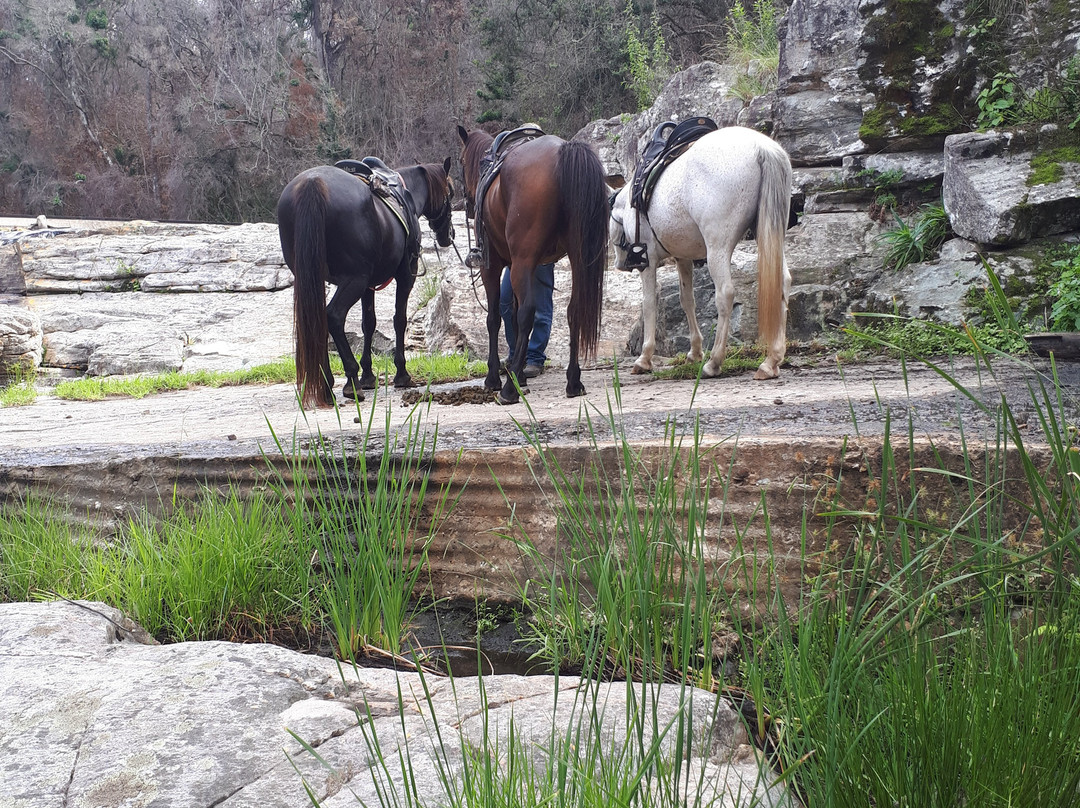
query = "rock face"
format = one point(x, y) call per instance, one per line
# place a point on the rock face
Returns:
point(1005, 188)
point(94, 715)
point(874, 104)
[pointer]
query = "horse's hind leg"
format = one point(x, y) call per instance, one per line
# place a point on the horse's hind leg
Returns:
point(403, 286)
point(491, 276)
point(523, 279)
point(367, 325)
point(720, 270)
point(348, 292)
point(689, 307)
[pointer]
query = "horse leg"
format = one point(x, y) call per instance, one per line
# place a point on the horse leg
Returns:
point(649, 303)
point(720, 270)
point(348, 292)
point(774, 351)
point(689, 307)
point(368, 381)
point(490, 276)
point(574, 387)
point(403, 286)
point(523, 280)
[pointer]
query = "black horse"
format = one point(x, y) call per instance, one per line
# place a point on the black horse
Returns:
point(334, 229)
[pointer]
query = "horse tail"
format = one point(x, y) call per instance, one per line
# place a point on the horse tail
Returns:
point(309, 294)
point(583, 199)
point(774, 203)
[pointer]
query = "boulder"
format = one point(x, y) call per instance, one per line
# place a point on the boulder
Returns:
point(93, 712)
point(157, 257)
point(107, 333)
point(701, 89)
point(20, 335)
point(1003, 188)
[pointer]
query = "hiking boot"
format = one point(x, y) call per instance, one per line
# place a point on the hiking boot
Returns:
point(531, 371)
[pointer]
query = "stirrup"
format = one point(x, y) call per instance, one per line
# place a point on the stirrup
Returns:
point(637, 256)
point(474, 259)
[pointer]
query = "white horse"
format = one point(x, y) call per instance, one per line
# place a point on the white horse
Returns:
point(729, 181)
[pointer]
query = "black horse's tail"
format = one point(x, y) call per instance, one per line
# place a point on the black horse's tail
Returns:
point(313, 378)
point(583, 199)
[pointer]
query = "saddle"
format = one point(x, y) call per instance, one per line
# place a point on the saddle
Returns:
point(490, 165)
point(387, 186)
point(668, 143)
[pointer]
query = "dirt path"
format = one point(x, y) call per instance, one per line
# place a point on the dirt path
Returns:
point(823, 401)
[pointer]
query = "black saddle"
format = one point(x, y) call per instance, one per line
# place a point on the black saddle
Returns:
point(492, 161)
point(669, 140)
point(387, 185)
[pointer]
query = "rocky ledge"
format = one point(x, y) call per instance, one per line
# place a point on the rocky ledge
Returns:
point(94, 712)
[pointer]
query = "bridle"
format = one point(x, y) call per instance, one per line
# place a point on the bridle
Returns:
point(637, 256)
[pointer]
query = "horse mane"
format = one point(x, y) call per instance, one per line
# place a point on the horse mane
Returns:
point(435, 189)
point(475, 149)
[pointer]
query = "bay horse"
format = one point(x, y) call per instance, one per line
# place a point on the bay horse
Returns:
point(334, 230)
point(728, 181)
point(548, 200)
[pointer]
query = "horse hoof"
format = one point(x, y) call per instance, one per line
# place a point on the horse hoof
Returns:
point(639, 370)
point(368, 384)
point(353, 394)
point(404, 384)
point(710, 370)
point(761, 374)
point(504, 401)
point(574, 392)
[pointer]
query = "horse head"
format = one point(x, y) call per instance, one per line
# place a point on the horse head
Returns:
point(626, 227)
point(440, 203)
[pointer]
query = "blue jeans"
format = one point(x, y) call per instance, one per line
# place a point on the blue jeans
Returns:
point(545, 307)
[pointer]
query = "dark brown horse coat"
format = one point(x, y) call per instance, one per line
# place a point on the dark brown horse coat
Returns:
point(548, 201)
point(334, 230)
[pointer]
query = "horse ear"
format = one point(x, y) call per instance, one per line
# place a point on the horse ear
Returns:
point(463, 134)
point(446, 165)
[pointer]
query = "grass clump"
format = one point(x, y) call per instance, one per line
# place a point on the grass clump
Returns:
point(333, 545)
point(17, 387)
point(917, 242)
point(739, 359)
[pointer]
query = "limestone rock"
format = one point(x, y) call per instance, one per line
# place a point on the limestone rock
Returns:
point(89, 714)
point(994, 195)
point(20, 335)
point(157, 257)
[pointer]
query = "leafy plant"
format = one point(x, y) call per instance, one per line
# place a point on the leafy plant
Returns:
point(999, 102)
point(647, 55)
point(883, 183)
point(753, 45)
point(1065, 292)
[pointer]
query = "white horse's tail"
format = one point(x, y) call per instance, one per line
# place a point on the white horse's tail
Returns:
point(774, 203)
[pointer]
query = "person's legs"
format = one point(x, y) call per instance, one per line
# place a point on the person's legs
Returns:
point(545, 308)
point(506, 310)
